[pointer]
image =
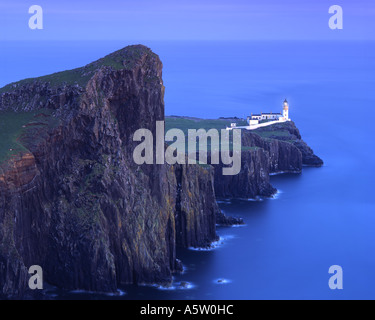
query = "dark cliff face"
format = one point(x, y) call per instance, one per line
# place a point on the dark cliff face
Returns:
point(273, 149)
point(287, 132)
point(76, 203)
point(283, 156)
point(259, 158)
point(251, 181)
point(196, 209)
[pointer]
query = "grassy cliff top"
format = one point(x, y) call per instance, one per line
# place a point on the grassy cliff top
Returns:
point(121, 59)
point(185, 123)
point(285, 131)
point(21, 129)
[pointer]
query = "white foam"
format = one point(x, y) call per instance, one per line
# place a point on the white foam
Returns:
point(187, 286)
point(164, 288)
point(257, 198)
point(184, 269)
point(277, 173)
point(282, 172)
point(214, 245)
point(276, 195)
point(81, 291)
point(117, 293)
point(174, 286)
point(239, 225)
point(222, 281)
point(226, 201)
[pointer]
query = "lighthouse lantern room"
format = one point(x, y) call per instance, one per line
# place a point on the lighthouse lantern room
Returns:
point(286, 110)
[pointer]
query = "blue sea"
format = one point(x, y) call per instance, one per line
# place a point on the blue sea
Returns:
point(322, 217)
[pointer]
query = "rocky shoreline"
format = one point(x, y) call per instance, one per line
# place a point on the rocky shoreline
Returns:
point(75, 203)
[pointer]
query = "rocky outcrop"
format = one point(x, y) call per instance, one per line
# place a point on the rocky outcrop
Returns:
point(308, 156)
point(283, 156)
point(196, 209)
point(273, 149)
point(288, 132)
point(227, 221)
point(37, 94)
point(76, 203)
point(253, 179)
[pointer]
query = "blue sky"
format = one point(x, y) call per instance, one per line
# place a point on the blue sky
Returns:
point(139, 20)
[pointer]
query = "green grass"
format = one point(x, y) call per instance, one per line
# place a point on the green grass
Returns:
point(185, 124)
point(75, 76)
point(122, 59)
point(266, 120)
point(270, 134)
point(279, 131)
point(15, 124)
point(18, 129)
point(273, 131)
point(78, 76)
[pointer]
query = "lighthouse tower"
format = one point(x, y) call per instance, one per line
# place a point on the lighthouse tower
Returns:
point(286, 110)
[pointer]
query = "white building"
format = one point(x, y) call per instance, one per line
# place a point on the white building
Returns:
point(286, 110)
point(271, 116)
point(254, 119)
point(252, 122)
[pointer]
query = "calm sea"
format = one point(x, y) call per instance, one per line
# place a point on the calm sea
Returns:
point(322, 217)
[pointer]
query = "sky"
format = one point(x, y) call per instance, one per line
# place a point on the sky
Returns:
point(140, 20)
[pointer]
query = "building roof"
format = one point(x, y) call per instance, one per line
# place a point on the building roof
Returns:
point(270, 113)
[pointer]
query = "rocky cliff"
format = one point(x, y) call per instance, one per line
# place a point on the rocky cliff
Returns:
point(72, 199)
point(273, 149)
point(289, 133)
point(75, 203)
point(253, 179)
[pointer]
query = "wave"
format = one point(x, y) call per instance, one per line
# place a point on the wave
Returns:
point(276, 195)
point(182, 285)
point(118, 293)
point(224, 201)
point(214, 245)
point(282, 172)
point(222, 281)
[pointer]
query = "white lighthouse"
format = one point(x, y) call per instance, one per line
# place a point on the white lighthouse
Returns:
point(286, 110)
point(256, 121)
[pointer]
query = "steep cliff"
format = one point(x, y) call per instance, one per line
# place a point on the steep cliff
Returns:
point(252, 180)
point(283, 156)
point(287, 132)
point(73, 201)
point(273, 149)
